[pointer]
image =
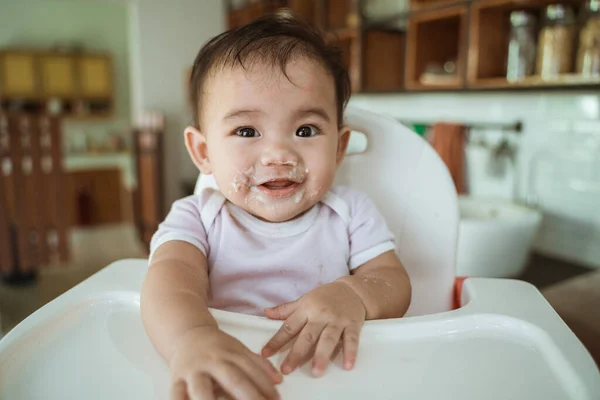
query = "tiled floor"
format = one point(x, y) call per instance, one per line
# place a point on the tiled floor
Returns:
point(92, 249)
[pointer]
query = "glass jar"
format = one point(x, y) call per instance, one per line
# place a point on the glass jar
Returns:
point(556, 42)
point(588, 53)
point(521, 47)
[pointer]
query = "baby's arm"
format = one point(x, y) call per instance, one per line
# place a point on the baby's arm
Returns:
point(380, 288)
point(179, 324)
point(383, 286)
point(174, 295)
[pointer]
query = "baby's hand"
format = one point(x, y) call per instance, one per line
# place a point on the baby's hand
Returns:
point(207, 359)
point(320, 319)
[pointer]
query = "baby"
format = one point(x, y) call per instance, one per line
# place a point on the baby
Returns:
point(276, 239)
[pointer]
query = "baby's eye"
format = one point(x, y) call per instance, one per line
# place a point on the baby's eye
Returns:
point(307, 131)
point(247, 132)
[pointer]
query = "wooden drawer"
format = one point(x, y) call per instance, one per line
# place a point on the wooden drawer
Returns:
point(94, 197)
point(95, 77)
point(18, 75)
point(58, 77)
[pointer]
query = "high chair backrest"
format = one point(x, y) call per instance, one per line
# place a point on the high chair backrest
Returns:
point(413, 190)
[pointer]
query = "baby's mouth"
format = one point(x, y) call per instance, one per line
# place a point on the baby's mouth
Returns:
point(278, 188)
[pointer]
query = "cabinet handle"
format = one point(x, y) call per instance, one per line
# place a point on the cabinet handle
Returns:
point(47, 164)
point(53, 240)
point(6, 166)
point(27, 165)
point(45, 140)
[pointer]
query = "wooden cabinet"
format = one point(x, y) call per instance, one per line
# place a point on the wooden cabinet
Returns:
point(18, 75)
point(6, 245)
point(307, 10)
point(416, 5)
point(435, 40)
point(31, 193)
point(373, 57)
point(58, 76)
point(489, 32)
point(94, 197)
point(251, 11)
point(436, 45)
point(149, 208)
point(95, 77)
point(383, 61)
point(341, 14)
point(72, 85)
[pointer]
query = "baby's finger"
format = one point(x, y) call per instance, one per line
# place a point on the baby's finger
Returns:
point(328, 341)
point(179, 391)
point(255, 371)
point(282, 311)
point(289, 329)
point(303, 348)
point(233, 381)
point(201, 388)
point(268, 367)
point(350, 345)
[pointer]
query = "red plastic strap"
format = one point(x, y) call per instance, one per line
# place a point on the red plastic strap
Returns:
point(458, 285)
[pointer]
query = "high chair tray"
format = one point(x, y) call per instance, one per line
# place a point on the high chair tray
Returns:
point(506, 342)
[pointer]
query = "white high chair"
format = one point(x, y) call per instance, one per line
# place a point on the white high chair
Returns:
point(504, 342)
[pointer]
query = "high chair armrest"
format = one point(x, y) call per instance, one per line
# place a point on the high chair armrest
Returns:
point(523, 301)
point(458, 285)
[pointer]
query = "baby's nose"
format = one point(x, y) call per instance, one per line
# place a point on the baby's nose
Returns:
point(279, 155)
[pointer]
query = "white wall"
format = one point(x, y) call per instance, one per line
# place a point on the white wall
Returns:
point(555, 123)
point(164, 39)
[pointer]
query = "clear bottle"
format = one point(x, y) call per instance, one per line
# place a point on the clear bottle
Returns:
point(556, 42)
point(588, 53)
point(522, 46)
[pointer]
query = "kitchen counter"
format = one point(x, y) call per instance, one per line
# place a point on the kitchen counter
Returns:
point(123, 161)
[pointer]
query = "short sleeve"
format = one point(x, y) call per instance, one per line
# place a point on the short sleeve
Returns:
point(369, 233)
point(183, 223)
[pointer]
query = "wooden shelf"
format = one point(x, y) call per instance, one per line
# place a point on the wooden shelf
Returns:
point(450, 85)
point(251, 11)
point(430, 8)
point(307, 10)
point(60, 83)
point(341, 34)
point(340, 14)
point(383, 74)
point(345, 46)
point(420, 5)
point(489, 32)
point(391, 54)
point(575, 80)
point(444, 32)
point(88, 118)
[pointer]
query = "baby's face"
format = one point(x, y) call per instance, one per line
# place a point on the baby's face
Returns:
point(271, 141)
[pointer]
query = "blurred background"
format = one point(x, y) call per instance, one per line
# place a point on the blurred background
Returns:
point(93, 103)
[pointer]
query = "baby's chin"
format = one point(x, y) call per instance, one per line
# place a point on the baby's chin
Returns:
point(274, 205)
point(274, 209)
point(278, 211)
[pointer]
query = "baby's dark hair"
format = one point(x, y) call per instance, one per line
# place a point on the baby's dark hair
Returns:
point(275, 40)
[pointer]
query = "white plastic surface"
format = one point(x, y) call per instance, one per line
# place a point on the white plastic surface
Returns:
point(506, 343)
point(495, 237)
point(412, 188)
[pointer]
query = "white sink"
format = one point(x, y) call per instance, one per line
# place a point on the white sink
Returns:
point(495, 237)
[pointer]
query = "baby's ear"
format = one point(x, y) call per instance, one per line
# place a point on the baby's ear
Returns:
point(195, 142)
point(343, 139)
